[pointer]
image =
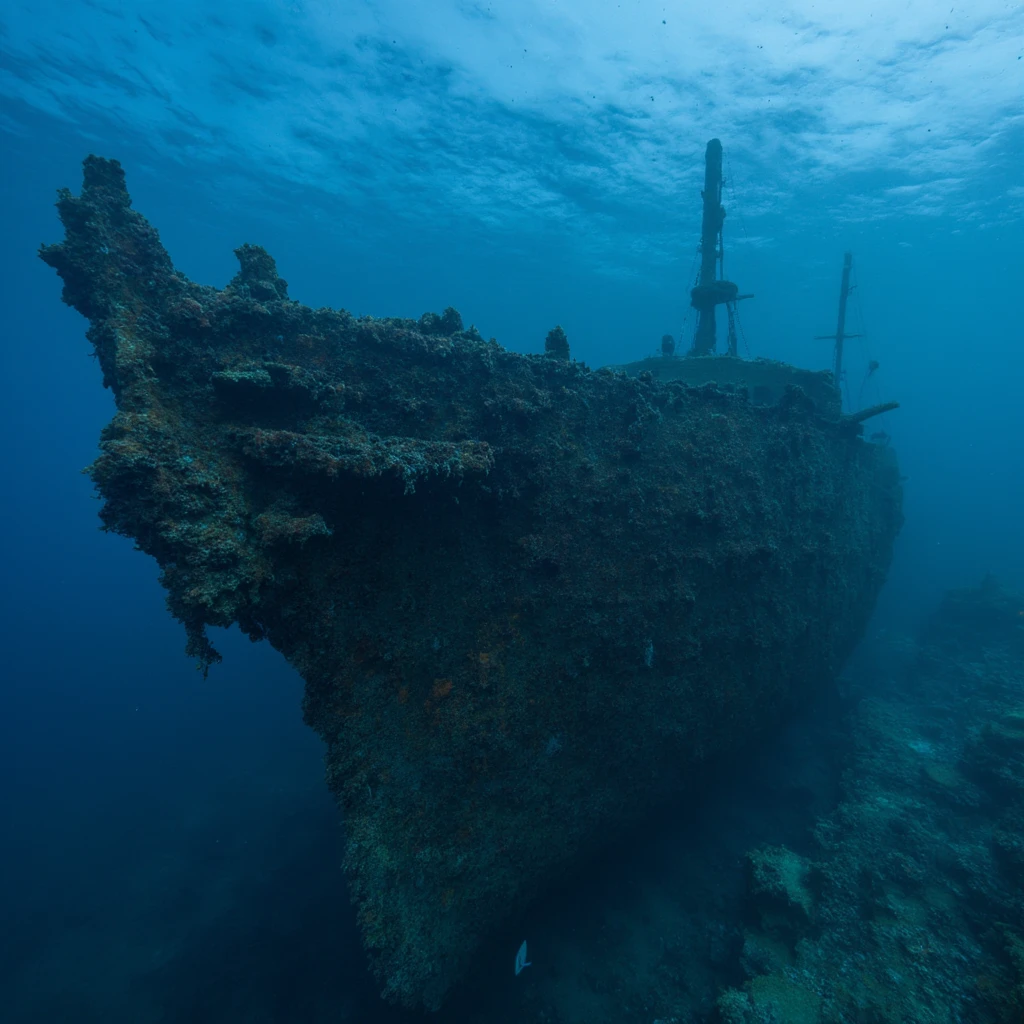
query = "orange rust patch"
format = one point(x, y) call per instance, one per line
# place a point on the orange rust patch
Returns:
point(403, 695)
point(442, 687)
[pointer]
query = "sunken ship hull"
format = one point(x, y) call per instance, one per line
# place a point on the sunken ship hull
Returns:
point(528, 600)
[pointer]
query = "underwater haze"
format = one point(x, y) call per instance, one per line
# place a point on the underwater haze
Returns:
point(171, 851)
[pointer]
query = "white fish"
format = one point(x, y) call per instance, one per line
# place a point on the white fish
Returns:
point(521, 960)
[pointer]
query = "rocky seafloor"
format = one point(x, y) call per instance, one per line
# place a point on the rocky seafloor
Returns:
point(910, 905)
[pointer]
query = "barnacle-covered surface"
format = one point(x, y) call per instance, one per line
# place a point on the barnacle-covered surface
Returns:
point(526, 598)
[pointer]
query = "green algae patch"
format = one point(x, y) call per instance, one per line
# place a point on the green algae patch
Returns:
point(789, 1001)
point(944, 776)
point(779, 887)
point(770, 999)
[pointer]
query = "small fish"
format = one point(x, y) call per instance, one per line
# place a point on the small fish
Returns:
point(521, 960)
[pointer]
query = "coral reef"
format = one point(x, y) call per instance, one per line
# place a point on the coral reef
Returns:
point(528, 600)
point(916, 912)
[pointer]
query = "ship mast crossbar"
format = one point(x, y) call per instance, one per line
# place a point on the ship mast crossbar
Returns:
point(840, 336)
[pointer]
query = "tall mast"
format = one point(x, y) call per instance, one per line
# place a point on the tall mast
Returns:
point(710, 290)
point(840, 336)
point(710, 232)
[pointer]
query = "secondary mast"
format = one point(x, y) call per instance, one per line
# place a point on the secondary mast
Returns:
point(840, 336)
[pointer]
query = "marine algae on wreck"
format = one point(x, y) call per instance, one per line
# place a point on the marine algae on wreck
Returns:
point(466, 553)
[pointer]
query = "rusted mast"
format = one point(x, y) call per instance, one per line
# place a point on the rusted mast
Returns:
point(844, 293)
point(711, 229)
point(840, 336)
point(710, 290)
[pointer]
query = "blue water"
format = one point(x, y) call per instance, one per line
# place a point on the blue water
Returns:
point(170, 851)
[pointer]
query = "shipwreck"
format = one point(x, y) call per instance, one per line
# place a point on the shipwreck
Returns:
point(528, 599)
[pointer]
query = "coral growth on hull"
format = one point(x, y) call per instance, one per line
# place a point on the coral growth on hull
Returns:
point(526, 598)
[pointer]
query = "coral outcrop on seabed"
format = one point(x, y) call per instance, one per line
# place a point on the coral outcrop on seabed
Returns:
point(526, 598)
point(912, 912)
